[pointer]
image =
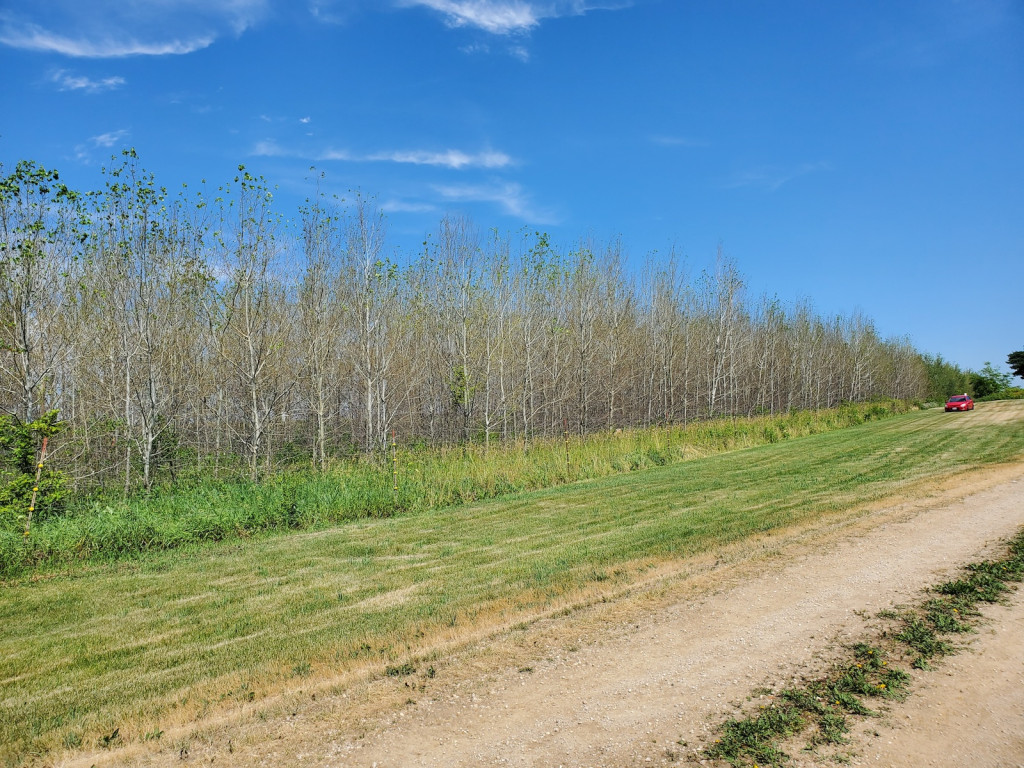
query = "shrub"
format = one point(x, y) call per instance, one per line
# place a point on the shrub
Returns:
point(19, 449)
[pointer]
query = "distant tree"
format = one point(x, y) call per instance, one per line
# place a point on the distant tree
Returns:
point(1016, 361)
point(989, 381)
point(944, 378)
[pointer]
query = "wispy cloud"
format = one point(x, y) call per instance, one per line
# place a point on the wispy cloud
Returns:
point(504, 17)
point(109, 139)
point(508, 196)
point(113, 28)
point(33, 38)
point(84, 151)
point(404, 206)
point(454, 159)
point(67, 81)
point(269, 148)
point(342, 155)
point(773, 177)
point(451, 158)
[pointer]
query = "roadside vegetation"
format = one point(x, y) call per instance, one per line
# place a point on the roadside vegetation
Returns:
point(207, 333)
point(119, 653)
point(819, 712)
point(407, 481)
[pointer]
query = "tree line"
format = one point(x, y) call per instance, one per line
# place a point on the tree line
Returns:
point(202, 333)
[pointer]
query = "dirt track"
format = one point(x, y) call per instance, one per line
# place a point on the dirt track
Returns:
point(641, 680)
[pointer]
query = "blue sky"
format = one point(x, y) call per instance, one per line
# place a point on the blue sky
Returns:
point(864, 156)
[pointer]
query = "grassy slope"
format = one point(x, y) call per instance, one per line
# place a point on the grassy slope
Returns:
point(224, 509)
point(134, 646)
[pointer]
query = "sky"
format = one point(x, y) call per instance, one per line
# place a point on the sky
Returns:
point(864, 156)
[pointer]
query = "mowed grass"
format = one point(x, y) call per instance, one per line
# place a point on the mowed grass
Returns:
point(167, 638)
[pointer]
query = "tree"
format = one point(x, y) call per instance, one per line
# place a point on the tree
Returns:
point(1016, 361)
point(323, 245)
point(40, 238)
point(19, 451)
point(989, 381)
point(252, 314)
point(149, 287)
point(944, 378)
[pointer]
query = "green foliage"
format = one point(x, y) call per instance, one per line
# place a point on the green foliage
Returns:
point(461, 391)
point(944, 378)
point(989, 381)
point(825, 703)
point(755, 739)
point(215, 510)
point(205, 622)
point(1010, 393)
point(1016, 363)
point(19, 451)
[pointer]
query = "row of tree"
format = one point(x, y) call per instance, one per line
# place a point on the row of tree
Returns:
point(203, 333)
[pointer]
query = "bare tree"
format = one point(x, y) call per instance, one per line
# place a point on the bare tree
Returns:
point(41, 226)
point(251, 314)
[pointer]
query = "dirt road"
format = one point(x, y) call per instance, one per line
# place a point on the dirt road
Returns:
point(630, 697)
point(643, 677)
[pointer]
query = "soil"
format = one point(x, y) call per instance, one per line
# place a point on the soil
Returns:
point(644, 676)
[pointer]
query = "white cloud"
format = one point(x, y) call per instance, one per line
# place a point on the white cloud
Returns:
point(268, 148)
point(504, 17)
point(454, 159)
point(337, 154)
point(68, 82)
point(34, 38)
point(509, 196)
point(499, 17)
point(84, 151)
point(403, 206)
point(114, 28)
point(109, 139)
point(451, 158)
point(305, 120)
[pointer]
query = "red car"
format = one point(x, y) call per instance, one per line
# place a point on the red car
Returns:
point(960, 403)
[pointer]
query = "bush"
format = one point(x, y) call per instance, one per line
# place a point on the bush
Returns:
point(1010, 393)
point(19, 450)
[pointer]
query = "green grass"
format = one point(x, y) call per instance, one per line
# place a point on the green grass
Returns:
point(137, 646)
point(218, 510)
point(823, 705)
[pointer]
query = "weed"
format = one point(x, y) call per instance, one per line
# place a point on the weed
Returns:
point(826, 702)
point(920, 636)
point(109, 740)
point(947, 615)
point(832, 729)
point(213, 510)
point(72, 740)
point(400, 670)
point(755, 739)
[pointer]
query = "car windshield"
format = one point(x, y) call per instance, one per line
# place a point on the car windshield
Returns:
point(958, 399)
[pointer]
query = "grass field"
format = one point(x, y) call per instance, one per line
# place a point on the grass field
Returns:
point(212, 509)
point(170, 637)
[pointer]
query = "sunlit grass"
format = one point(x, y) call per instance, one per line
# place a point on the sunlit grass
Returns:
point(140, 645)
point(217, 510)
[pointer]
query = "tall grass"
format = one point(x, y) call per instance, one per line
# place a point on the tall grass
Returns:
point(157, 643)
point(427, 479)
